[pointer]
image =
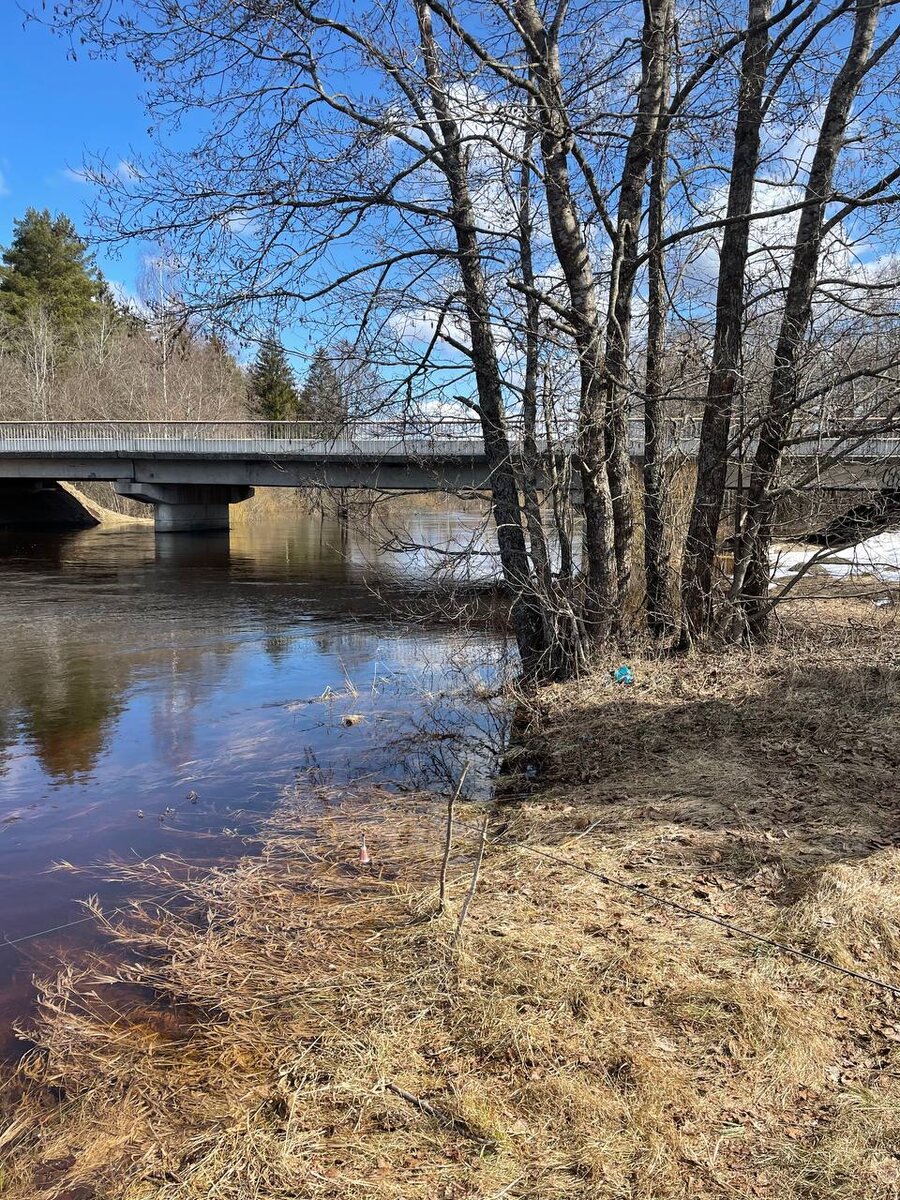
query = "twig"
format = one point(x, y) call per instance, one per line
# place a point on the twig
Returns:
point(448, 838)
point(473, 882)
point(440, 1115)
point(590, 829)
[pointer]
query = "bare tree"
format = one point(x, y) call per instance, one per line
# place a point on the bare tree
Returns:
point(751, 579)
point(542, 216)
point(712, 459)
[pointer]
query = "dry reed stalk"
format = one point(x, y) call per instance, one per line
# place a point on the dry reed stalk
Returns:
point(473, 882)
point(448, 839)
point(235, 1040)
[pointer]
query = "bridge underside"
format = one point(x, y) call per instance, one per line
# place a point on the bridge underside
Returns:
point(41, 504)
point(386, 474)
point(194, 493)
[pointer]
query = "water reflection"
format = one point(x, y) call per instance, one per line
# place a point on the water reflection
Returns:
point(137, 670)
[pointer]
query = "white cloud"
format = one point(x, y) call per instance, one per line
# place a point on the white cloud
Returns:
point(4, 187)
point(240, 222)
point(419, 326)
point(123, 170)
point(127, 297)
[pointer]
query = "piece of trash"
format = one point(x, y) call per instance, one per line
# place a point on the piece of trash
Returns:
point(623, 675)
point(193, 797)
point(349, 719)
point(365, 859)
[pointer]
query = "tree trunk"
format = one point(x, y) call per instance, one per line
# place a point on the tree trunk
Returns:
point(724, 376)
point(539, 553)
point(656, 560)
point(526, 611)
point(752, 565)
point(572, 252)
point(561, 630)
point(638, 155)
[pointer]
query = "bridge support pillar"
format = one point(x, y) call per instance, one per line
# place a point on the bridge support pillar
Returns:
point(186, 507)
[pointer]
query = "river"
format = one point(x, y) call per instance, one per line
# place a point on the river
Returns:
point(159, 696)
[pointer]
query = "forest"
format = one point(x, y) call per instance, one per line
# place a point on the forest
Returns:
point(71, 348)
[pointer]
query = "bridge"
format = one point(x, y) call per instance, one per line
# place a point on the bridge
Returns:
point(191, 471)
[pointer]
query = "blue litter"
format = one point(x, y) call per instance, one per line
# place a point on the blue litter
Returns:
point(623, 675)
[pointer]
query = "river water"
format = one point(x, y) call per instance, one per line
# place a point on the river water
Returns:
point(134, 672)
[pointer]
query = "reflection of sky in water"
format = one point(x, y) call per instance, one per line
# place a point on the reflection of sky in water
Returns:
point(133, 674)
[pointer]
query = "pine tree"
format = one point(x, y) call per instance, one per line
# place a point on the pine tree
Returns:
point(322, 397)
point(48, 266)
point(271, 390)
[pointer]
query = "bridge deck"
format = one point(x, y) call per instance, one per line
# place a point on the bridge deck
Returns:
point(395, 453)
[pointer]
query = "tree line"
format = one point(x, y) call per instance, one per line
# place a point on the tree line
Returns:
point(568, 220)
point(71, 349)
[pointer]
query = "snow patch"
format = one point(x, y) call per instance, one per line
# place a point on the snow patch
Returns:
point(878, 555)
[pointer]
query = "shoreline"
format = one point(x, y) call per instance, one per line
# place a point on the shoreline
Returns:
point(323, 1032)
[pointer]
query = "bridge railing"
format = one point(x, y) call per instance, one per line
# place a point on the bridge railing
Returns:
point(413, 436)
point(204, 437)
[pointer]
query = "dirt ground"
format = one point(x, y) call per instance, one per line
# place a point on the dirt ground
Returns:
point(300, 1026)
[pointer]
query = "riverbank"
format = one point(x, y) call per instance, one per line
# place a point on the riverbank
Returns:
point(56, 506)
point(323, 1034)
point(103, 514)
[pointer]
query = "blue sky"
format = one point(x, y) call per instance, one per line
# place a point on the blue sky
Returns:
point(53, 114)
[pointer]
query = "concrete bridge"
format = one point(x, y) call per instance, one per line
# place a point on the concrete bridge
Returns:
point(191, 471)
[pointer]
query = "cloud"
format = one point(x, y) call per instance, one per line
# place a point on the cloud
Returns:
point(4, 187)
point(240, 222)
point(127, 297)
point(124, 170)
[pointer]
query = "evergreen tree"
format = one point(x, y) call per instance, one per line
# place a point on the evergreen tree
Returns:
point(322, 397)
point(271, 390)
point(48, 266)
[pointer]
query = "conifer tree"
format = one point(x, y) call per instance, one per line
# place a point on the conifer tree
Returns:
point(322, 397)
point(271, 390)
point(48, 266)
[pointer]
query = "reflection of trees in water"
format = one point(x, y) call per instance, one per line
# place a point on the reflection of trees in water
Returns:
point(63, 701)
point(7, 734)
point(458, 727)
point(278, 646)
point(189, 674)
point(64, 696)
point(104, 608)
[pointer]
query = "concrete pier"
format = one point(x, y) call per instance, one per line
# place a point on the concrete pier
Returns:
point(186, 507)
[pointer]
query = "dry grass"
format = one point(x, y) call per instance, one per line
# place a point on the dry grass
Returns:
point(292, 1026)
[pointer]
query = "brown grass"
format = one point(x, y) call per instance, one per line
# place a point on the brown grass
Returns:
point(292, 1026)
